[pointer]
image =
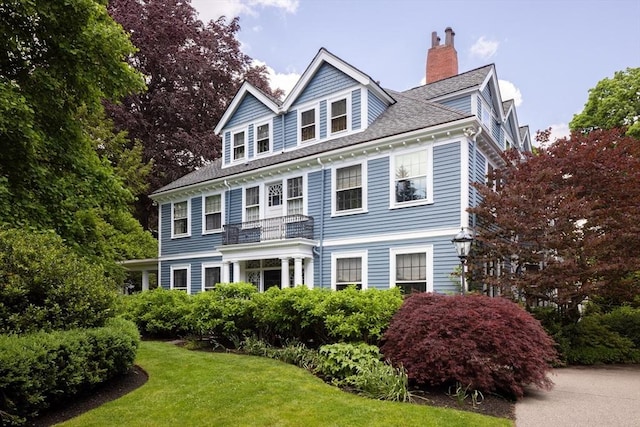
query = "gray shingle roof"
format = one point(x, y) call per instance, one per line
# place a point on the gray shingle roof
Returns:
point(453, 84)
point(411, 112)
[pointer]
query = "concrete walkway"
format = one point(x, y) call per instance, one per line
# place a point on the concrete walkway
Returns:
point(585, 396)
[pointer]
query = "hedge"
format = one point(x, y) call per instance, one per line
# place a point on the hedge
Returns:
point(40, 369)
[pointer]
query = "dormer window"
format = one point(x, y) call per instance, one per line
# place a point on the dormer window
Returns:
point(339, 116)
point(308, 125)
point(263, 141)
point(238, 145)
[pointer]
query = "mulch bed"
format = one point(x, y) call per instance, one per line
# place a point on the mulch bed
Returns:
point(110, 390)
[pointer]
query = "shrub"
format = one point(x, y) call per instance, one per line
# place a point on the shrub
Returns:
point(46, 286)
point(39, 369)
point(158, 313)
point(591, 342)
point(291, 314)
point(626, 322)
point(341, 360)
point(359, 366)
point(359, 316)
point(224, 314)
point(488, 344)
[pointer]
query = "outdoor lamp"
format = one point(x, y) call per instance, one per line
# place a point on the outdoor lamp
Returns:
point(462, 242)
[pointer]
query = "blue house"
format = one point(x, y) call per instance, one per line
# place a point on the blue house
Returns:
point(344, 182)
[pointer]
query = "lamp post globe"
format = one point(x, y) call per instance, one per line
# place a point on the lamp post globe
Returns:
point(462, 242)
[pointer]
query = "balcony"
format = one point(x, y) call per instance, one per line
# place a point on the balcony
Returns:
point(278, 228)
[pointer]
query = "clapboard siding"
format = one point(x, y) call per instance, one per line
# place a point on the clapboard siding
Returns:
point(356, 108)
point(375, 108)
point(250, 109)
point(326, 81)
point(195, 265)
point(445, 262)
point(443, 212)
point(196, 242)
point(462, 104)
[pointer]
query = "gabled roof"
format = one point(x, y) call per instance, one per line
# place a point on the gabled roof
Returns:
point(406, 115)
point(324, 56)
point(464, 81)
point(247, 88)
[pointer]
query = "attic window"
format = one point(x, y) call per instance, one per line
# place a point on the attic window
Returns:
point(238, 145)
point(308, 125)
point(339, 116)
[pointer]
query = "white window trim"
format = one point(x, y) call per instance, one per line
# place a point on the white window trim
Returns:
point(206, 265)
point(181, 267)
point(334, 199)
point(255, 138)
point(188, 233)
point(285, 192)
point(204, 214)
point(302, 109)
point(335, 256)
point(233, 133)
point(392, 179)
point(261, 203)
point(346, 96)
point(428, 249)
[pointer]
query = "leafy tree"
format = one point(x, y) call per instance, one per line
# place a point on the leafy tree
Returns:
point(613, 103)
point(192, 72)
point(563, 226)
point(61, 59)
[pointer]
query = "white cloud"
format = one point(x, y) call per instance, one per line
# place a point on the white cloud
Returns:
point(509, 91)
point(284, 81)
point(559, 130)
point(213, 9)
point(484, 49)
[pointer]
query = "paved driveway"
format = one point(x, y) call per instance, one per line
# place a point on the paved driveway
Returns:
point(585, 396)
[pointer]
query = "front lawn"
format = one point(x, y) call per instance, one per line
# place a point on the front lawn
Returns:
point(192, 388)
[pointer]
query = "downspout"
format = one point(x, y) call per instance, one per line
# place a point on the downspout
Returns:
point(228, 201)
point(282, 121)
point(320, 252)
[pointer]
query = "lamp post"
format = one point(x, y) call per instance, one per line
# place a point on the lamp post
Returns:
point(462, 242)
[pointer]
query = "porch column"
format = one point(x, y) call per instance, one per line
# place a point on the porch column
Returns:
point(308, 272)
point(236, 272)
point(284, 274)
point(297, 271)
point(145, 280)
point(224, 276)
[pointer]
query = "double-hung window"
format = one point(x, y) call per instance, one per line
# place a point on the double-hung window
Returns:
point(308, 125)
point(180, 219)
point(211, 277)
point(252, 204)
point(412, 181)
point(349, 189)
point(263, 140)
point(295, 196)
point(411, 269)
point(238, 145)
point(349, 268)
point(180, 278)
point(338, 115)
point(213, 213)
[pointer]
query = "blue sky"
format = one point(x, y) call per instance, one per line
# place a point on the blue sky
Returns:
point(548, 54)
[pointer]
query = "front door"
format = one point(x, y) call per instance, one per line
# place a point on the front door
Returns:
point(271, 278)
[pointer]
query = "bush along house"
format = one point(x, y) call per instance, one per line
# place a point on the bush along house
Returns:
point(344, 182)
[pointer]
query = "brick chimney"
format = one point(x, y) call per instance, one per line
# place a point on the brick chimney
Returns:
point(442, 60)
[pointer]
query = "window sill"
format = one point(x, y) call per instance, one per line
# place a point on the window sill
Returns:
point(411, 204)
point(348, 213)
point(180, 236)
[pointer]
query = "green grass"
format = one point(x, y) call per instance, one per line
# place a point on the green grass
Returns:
point(192, 388)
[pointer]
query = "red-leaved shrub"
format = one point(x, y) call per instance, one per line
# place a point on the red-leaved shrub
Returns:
point(488, 344)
